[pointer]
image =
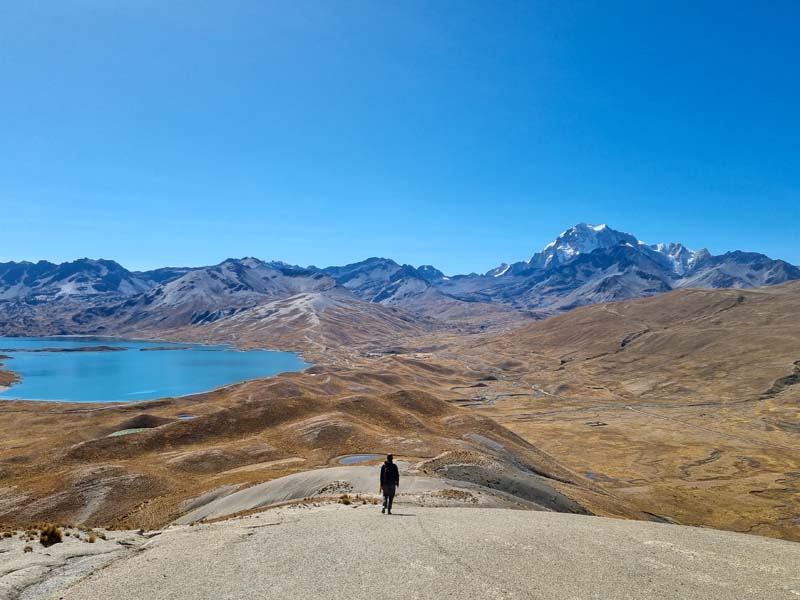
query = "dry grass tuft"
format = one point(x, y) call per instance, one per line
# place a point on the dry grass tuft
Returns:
point(50, 534)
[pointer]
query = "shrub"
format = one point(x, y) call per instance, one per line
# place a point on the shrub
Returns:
point(50, 534)
point(8, 534)
point(27, 549)
point(345, 499)
point(92, 538)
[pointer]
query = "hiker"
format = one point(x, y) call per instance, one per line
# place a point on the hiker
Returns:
point(390, 481)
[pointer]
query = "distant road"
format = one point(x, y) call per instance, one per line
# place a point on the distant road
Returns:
point(337, 551)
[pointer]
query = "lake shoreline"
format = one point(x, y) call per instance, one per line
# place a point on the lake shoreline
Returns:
point(8, 378)
point(232, 344)
point(78, 349)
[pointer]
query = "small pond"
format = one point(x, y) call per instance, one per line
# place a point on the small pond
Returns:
point(358, 458)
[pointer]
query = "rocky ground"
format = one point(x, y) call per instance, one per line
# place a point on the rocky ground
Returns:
point(29, 570)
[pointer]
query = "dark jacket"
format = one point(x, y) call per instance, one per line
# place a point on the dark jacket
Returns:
point(390, 475)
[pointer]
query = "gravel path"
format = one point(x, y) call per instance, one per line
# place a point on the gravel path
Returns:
point(336, 551)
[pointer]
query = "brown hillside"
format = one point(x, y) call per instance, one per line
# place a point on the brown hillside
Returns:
point(686, 403)
point(59, 462)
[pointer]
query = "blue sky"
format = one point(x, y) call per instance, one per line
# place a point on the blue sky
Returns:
point(460, 134)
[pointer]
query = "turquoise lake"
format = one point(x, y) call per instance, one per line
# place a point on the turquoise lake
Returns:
point(142, 371)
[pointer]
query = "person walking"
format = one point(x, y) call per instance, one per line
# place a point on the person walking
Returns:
point(390, 481)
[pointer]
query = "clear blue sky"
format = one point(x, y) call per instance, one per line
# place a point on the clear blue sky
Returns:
point(458, 133)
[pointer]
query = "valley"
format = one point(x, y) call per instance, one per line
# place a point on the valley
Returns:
point(669, 403)
point(409, 300)
point(679, 406)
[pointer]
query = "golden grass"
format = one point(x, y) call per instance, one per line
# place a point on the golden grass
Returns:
point(668, 402)
point(666, 405)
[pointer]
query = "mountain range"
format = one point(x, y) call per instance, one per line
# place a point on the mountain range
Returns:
point(586, 264)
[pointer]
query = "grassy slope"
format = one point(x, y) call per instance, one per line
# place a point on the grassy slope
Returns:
point(696, 392)
point(59, 463)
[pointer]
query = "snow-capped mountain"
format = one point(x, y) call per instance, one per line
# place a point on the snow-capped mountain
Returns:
point(384, 281)
point(681, 259)
point(577, 240)
point(736, 270)
point(238, 282)
point(499, 271)
point(585, 264)
point(585, 239)
point(595, 263)
point(207, 294)
point(80, 278)
point(162, 275)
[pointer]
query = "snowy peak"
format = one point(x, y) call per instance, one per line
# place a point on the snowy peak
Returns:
point(82, 277)
point(498, 271)
point(207, 294)
point(674, 249)
point(356, 274)
point(384, 281)
point(681, 259)
point(584, 238)
point(580, 239)
point(250, 262)
point(585, 264)
point(244, 280)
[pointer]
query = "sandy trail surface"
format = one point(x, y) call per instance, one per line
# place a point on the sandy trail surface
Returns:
point(336, 551)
